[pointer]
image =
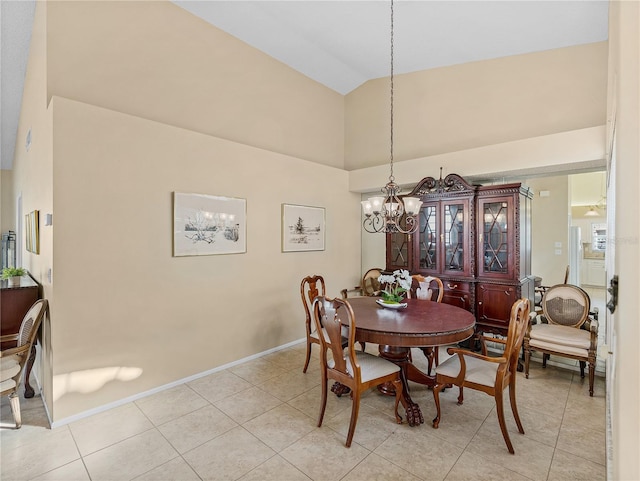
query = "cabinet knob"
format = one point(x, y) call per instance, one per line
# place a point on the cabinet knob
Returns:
point(506, 293)
point(452, 286)
point(479, 303)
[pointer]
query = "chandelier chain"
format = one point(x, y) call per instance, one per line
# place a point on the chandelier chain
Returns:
point(391, 177)
point(391, 213)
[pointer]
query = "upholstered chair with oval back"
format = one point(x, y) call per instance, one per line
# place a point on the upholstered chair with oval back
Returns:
point(14, 359)
point(567, 327)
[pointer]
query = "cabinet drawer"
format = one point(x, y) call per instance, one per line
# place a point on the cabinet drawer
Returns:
point(458, 294)
point(456, 286)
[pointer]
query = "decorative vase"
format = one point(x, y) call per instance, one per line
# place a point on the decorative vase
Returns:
point(14, 281)
point(391, 304)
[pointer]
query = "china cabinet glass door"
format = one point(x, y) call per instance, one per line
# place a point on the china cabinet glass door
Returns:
point(496, 223)
point(398, 250)
point(455, 237)
point(428, 235)
point(443, 238)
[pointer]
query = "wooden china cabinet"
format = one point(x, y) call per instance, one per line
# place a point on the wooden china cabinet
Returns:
point(504, 254)
point(477, 240)
point(443, 245)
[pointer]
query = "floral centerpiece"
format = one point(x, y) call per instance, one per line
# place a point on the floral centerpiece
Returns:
point(395, 286)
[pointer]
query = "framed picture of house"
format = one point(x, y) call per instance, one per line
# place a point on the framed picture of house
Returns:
point(303, 228)
point(208, 225)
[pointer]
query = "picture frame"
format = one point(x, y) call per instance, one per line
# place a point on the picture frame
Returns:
point(32, 237)
point(27, 233)
point(303, 228)
point(208, 225)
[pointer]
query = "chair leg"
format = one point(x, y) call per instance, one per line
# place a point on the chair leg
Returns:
point(397, 386)
point(527, 356)
point(503, 425)
point(431, 353)
point(592, 375)
point(323, 400)
point(460, 396)
point(582, 365)
point(436, 397)
point(306, 363)
point(544, 359)
point(14, 399)
point(514, 405)
point(355, 409)
point(363, 345)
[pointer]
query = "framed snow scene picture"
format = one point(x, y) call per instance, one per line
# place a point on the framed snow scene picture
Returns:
point(302, 228)
point(207, 225)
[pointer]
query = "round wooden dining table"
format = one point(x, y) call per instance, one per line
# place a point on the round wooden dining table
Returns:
point(423, 324)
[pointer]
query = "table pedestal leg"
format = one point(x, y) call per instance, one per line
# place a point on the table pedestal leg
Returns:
point(400, 357)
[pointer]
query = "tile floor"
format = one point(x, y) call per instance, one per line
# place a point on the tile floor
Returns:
point(257, 421)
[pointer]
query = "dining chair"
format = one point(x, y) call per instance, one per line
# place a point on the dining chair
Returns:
point(426, 288)
point(310, 288)
point(429, 289)
point(369, 285)
point(356, 370)
point(491, 375)
point(540, 290)
point(14, 359)
point(567, 327)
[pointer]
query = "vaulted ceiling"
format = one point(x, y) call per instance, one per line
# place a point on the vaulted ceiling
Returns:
point(342, 44)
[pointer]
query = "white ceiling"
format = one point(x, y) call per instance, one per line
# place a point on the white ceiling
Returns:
point(342, 44)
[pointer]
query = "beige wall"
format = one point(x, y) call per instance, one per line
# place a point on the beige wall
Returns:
point(32, 175)
point(157, 61)
point(564, 152)
point(122, 300)
point(550, 224)
point(477, 104)
point(624, 104)
point(122, 119)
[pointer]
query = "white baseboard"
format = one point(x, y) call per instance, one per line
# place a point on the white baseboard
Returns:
point(120, 402)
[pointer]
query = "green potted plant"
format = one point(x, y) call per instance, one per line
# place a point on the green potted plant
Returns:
point(13, 274)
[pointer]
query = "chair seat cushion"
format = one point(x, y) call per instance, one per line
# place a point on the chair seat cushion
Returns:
point(7, 385)
point(562, 335)
point(559, 349)
point(477, 370)
point(371, 367)
point(9, 367)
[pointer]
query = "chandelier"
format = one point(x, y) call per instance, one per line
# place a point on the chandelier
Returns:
point(390, 213)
